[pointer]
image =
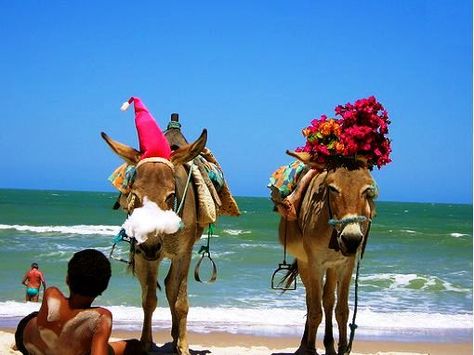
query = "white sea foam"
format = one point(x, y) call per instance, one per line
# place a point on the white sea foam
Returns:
point(458, 235)
point(403, 281)
point(236, 231)
point(81, 229)
point(261, 320)
point(151, 219)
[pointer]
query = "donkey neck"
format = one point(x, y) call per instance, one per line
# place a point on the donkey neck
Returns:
point(314, 212)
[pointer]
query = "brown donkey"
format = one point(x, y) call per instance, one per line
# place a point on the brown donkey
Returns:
point(329, 234)
point(164, 182)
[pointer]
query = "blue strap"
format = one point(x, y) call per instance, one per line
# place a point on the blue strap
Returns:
point(122, 236)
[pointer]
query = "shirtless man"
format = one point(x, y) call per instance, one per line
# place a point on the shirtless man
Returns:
point(70, 326)
point(33, 280)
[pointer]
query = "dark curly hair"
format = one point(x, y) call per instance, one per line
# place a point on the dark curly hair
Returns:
point(88, 273)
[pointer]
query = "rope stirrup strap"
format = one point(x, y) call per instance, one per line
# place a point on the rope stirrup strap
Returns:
point(283, 267)
point(205, 253)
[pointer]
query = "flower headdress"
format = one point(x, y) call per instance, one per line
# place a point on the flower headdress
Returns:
point(359, 132)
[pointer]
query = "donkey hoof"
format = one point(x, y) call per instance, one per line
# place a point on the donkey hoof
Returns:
point(304, 351)
point(147, 345)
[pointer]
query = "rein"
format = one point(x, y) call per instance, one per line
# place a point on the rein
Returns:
point(335, 223)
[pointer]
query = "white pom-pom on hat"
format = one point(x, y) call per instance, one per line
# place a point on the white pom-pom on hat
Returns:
point(124, 106)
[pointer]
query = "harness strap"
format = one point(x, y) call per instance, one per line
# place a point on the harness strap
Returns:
point(156, 160)
point(122, 236)
point(188, 181)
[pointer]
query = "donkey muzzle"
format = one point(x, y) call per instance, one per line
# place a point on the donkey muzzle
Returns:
point(150, 252)
point(350, 239)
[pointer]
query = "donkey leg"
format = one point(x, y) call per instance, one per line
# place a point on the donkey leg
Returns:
point(329, 298)
point(146, 272)
point(342, 306)
point(177, 294)
point(312, 279)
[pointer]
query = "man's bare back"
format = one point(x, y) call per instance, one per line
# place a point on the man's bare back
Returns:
point(60, 328)
point(33, 280)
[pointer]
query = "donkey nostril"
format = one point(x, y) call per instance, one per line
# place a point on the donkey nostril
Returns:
point(351, 242)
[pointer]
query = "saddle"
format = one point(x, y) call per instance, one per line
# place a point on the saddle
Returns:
point(214, 196)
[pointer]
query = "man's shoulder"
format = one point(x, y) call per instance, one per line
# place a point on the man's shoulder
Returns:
point(53, 291)
point(103, 311)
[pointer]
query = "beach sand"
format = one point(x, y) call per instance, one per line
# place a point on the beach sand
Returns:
point(235, 344)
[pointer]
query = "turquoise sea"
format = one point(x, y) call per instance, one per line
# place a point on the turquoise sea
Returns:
point(416, 275)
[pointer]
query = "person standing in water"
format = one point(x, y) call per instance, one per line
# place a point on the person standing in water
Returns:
point(33, 280)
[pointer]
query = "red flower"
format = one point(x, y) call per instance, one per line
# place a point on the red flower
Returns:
point(361, 130)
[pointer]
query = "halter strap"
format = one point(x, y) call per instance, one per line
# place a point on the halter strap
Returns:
point(155, 160)
point(334, 222)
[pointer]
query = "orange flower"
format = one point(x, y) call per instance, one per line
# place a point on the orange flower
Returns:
point(336, 129)
point(306, 132)
point(339, 147)
point(326, 128)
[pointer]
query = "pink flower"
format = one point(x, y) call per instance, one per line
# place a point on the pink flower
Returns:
point(361, 130)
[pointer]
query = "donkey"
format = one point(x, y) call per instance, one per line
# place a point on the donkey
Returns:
point(330, 232)
point(164, 182)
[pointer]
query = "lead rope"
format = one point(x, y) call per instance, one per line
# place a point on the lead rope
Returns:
point(353, 324)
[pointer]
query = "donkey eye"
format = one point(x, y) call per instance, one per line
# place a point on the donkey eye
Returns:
point(333, 188)
point(370, 192)
point(170, 199)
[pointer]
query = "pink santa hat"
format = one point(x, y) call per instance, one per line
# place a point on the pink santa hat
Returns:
point(153, 142)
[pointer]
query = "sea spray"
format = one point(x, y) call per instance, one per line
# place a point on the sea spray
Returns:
point(151, 219)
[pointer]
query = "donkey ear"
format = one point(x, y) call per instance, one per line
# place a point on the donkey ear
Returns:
point(305, 158)
point(189, 151)
point(129, 154)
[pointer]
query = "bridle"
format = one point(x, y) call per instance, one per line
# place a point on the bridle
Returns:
point(132, 201)
point(339, 224)
point(132, 196)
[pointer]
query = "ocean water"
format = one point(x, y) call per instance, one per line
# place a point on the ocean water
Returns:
point(415, 281)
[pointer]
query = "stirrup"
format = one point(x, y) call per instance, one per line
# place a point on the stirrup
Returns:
point(281, 285)
point(213, 277)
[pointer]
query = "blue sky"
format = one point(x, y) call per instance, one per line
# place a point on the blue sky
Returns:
point(254, 73)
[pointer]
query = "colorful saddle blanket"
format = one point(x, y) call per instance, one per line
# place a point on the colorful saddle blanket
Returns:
point(285, 178)
point(122, 177)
